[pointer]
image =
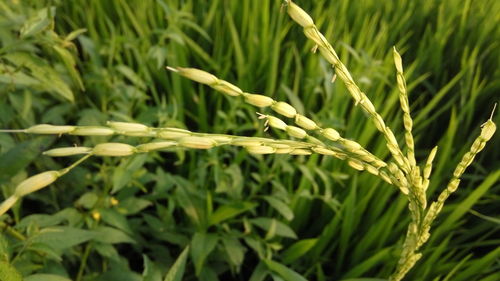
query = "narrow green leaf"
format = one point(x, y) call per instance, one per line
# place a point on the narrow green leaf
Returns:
point(201, 246)
point(70, 64)
point(132, 76)
point(150, 272)
point(234, 250)
point(111, 235)
point(280, 206)
point(281, 229)
point(231, 210)
point(297, 250)
point(63, 237)
point(176, 272)
point(286, 273)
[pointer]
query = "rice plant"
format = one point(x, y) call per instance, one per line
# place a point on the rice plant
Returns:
point(397, 166)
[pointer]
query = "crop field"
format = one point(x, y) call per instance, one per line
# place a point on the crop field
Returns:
point(249, 140)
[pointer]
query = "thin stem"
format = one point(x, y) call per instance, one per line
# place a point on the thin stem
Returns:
point(12, 232)
point(83, 264)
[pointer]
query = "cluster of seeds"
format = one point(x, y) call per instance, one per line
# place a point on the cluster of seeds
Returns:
point(309, 137)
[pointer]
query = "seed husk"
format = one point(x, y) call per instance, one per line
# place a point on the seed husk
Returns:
point(92, 131)
point(197, 75)
point(67, 151)
point(49, 129)
point(284, 109)
point(258, 100)
point(261, 149)
point(197, 142)
point(36, 182)
point(113, 149)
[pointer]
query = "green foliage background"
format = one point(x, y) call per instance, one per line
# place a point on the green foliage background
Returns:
point(234, 216)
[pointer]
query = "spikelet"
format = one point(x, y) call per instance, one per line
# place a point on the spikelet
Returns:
point(284, 109)
point(355, 164)
point(172, 133)
point(488, 130)
point(261, 149)
point(92, 131)
point(330, 134)
point(305, 122)
point(258, 100)
point(275, 122)
point(197, 75)
point(113, 149)
point(36, 182)
point(147, 147)
point(300, 151)
point(67, 151)
point(197, 142)
point(299, 15)
point(227, 88)
point(49, 129)
point(7, 204)
point(128, 127)
point(296, 132)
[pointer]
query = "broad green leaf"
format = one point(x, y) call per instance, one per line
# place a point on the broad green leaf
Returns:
point(119, 270)
point(234, 250)
point(133, 205)
point(201, 246)
point(87, 200)
point(46, 277)
point(40, 220)
point(116, 219)
point(18, 78)
point(297, 250)
point(63, 237)
point(9, 273)
point(208, 274)
point(259, 273)
point(37, 22)
point(268, 224)
point(46, 251)
point(280, 206)
point(231, 210)
point(50, 79)
point(176, 272)
point(150, 272)
point(124, 173)
point(19, 157)
point(107, 250)
point(190, 202)
point(286, 273)
point(105, 234)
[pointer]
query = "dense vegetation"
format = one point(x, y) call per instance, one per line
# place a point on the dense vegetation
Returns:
point(243, 217)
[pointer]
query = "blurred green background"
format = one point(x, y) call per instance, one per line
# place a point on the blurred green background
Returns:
point(244, 217)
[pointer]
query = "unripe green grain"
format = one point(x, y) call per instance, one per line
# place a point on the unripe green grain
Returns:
point(113, 149)
point(49, 129)
point(258, 100)
point(36, 182)
point(92, 131)
point(197, 142)
point(67, 151)
point(284, 109)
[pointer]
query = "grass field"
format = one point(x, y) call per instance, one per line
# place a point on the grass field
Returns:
point(223, 214)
